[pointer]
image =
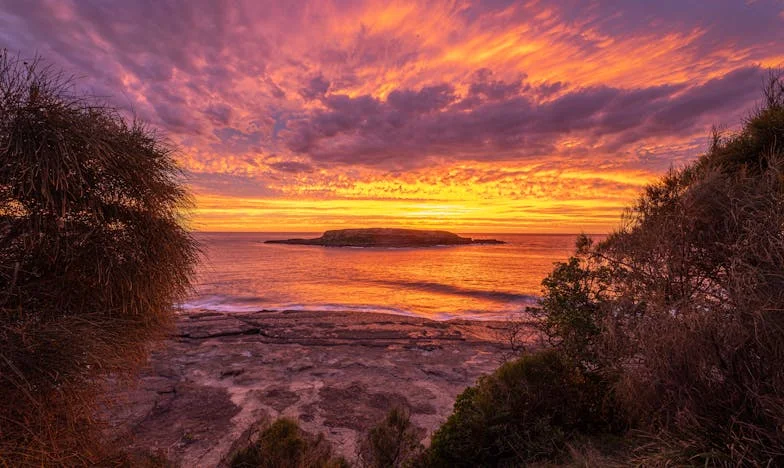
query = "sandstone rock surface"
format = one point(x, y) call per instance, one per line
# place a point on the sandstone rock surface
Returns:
point(334, 372)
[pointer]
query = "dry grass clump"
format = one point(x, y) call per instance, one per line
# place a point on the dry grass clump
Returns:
point(93, 254)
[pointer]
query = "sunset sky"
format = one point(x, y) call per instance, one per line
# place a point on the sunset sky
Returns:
point(483, 116)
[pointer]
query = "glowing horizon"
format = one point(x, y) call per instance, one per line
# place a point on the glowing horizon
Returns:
point(484, 116)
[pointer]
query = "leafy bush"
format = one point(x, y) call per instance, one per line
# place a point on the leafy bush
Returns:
point(285, 445)
point(393, 443)
point(92, 256)
point(571, 308)
point(523, 412)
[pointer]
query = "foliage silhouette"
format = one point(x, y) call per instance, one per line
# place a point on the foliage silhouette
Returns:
point(524, 412)
point(93, 254)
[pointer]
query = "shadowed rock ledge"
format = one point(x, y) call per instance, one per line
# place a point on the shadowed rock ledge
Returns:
point(386, 237)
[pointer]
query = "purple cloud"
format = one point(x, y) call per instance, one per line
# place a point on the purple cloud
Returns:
point(316, 88)
point(218, 113)
point(291, 166)
point(395, 132)
point(426, 100)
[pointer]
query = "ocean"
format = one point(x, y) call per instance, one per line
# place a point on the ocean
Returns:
point(239, 272)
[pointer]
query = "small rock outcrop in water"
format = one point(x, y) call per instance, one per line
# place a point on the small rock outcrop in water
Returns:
point(384, 237)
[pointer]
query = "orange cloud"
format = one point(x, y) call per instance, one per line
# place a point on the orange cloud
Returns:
point(470, 115)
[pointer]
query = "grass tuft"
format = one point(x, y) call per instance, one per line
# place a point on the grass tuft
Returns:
point(93, 254)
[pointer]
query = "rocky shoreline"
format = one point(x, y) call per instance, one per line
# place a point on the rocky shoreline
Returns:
point(336, 373)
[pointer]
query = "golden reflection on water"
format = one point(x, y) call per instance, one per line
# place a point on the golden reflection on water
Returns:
point(240, 272)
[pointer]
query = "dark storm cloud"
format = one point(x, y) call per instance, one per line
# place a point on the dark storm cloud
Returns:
point(426, 100)
point(728, 92)
point(497, 89)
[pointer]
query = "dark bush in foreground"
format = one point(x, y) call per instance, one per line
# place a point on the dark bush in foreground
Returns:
point(523, 412)
point(393, 443)
point(285, 445)
point(678, 316)
point(683, 307)
point(92, 256)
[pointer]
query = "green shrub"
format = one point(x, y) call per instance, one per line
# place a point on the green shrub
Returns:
point(393, 443)
point(523, 412)
point(285, 445)
point(572, 306)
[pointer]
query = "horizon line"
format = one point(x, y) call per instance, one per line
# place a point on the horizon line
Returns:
point(463, 232)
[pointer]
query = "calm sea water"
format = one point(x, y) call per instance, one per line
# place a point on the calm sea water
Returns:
point(241, 273)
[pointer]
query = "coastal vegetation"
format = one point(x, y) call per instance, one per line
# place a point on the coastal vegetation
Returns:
point(93, 254)
point(524, 412)
point(669, 333)
point(392, 443)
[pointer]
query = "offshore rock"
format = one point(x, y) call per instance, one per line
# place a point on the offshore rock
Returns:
point(386, 237)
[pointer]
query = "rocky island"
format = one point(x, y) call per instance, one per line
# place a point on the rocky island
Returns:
point(386, 237)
